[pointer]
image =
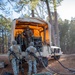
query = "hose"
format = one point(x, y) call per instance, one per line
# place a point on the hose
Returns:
point(53, 71)
point(71, 70)
point(49, 69)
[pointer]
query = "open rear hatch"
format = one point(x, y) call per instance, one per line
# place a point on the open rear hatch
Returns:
point(37, 26)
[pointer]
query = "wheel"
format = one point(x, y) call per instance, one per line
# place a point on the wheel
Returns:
point(43, 62)
point(56, 57)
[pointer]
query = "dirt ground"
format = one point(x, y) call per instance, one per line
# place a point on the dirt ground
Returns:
point(53, 66)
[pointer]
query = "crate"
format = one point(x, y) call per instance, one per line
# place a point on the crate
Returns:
point(44, 73)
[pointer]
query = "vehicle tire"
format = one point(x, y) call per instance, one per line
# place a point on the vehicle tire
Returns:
point(56, 57)
point(44, 61)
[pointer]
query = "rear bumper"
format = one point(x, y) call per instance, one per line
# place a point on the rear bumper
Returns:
point(57, 54)
point(51, 56)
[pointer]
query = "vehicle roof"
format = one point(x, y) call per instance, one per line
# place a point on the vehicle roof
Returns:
point(31, 21)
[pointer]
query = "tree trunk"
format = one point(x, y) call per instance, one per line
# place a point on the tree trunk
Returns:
point(32, 13)
point(52, 28)
point(56, 24)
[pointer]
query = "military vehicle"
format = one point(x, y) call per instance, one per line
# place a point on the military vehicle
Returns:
point(42, 37)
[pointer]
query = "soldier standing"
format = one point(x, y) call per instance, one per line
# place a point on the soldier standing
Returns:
point(28, 34)
point(31, 60)
point(14, 54)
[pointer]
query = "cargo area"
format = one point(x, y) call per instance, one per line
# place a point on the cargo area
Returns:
point(38, 27)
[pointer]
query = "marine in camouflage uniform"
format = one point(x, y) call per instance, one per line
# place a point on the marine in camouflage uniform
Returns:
point(14, 61)
point(31, 59)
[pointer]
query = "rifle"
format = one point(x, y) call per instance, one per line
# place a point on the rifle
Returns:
point(39, 60)
point(33, 54)
point(12, 53)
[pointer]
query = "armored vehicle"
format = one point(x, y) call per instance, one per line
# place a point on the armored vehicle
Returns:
point(41, 36)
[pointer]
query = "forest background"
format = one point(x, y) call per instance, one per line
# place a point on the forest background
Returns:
point(63, 31)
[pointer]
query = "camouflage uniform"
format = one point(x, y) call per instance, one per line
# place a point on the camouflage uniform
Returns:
point(15, 62)
point(28, 34)
point(31, 59)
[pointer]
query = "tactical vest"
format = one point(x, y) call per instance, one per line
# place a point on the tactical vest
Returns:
point(16, 50)
point(31, 49)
